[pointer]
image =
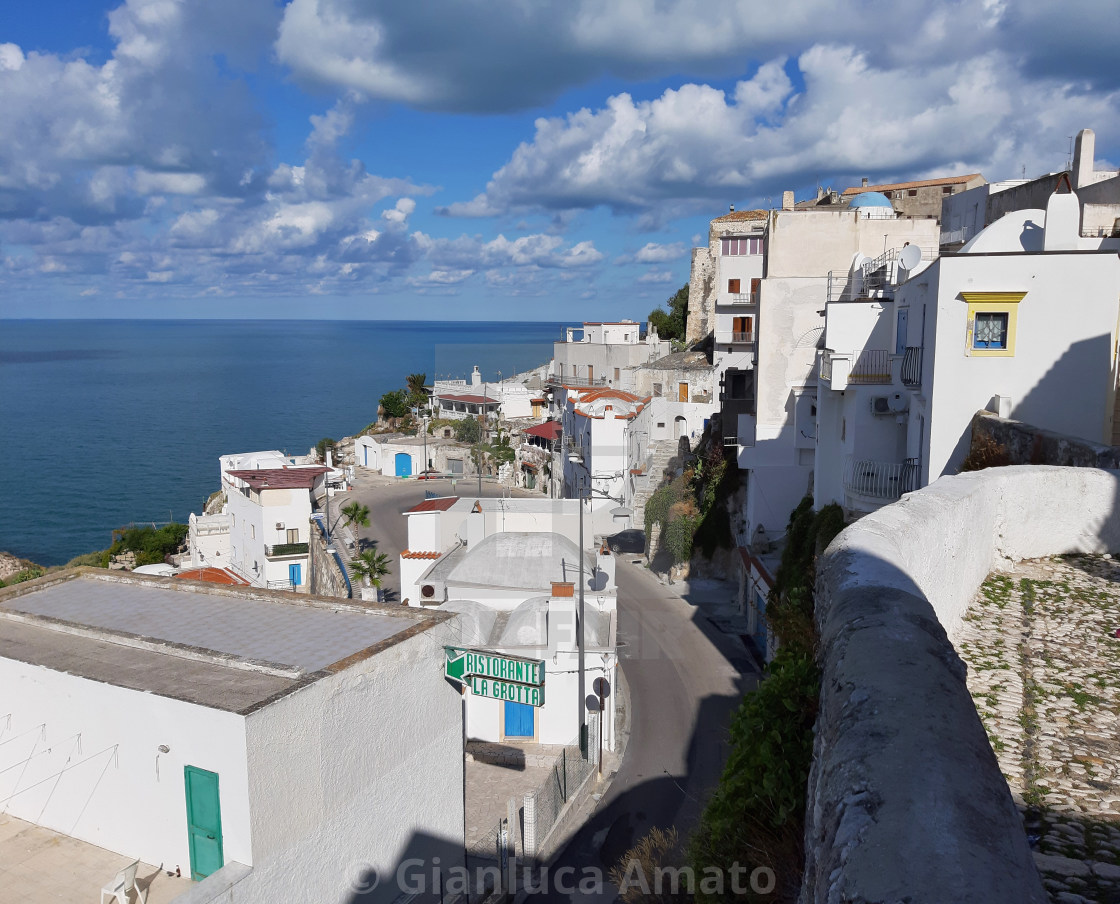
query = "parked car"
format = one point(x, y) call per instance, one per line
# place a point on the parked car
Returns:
point(632, 540)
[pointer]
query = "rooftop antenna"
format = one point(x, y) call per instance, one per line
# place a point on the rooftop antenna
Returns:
point(1069, 154)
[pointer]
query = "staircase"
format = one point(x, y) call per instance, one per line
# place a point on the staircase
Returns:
point(660, 454)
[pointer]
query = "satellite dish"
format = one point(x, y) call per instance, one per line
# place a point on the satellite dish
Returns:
point(909, 257)
point(860, 262)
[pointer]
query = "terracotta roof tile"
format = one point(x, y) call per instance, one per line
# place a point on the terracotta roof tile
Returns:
point(742, 215)
point(442, 504)
point(921, 183)
point(212, 576)
point(410, 554)
point(280, 478)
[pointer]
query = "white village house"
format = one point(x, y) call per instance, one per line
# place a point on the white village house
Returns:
point(511, 568)
point(261, 742)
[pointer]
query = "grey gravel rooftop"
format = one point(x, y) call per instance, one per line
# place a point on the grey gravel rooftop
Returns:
point(231, 649)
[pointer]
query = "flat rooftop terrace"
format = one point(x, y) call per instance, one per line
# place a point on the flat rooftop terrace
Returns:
point(230, 648)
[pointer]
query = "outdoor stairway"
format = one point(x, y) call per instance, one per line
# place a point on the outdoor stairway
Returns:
point(660, 454)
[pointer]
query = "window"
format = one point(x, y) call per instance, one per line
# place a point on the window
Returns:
point(947, 190)
point(736, 246)
point(990, 330)
point(990, 324)
point(737, 385)
point(293, 534)
point(733, 286)
point(742, 329)
point(252, 531)
point(616, 374)
point(657, 389)
point(660, 423)
point(912, 193)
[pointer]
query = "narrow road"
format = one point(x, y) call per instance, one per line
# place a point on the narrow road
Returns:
point(686, 680)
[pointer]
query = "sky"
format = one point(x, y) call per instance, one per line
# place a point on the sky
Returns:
point(489, 159)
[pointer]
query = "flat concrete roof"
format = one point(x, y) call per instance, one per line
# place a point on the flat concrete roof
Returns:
point(229, 648)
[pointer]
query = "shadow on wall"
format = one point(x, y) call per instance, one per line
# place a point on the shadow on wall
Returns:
point(1072, 397)
point(906, 798)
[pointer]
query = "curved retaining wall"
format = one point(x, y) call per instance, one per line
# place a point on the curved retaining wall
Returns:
point(906, 800)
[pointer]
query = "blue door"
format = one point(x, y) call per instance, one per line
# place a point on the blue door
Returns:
point(519, 720)
point(294, 575)
point(404, 464)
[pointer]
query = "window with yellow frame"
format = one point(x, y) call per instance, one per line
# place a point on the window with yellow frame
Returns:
point(992, 318)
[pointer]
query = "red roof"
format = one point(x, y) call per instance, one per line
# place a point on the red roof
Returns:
point(472, 399)
point(410, 554)
point(280, 478)
point(547, 430)
point(212, 575)
point(442, 504)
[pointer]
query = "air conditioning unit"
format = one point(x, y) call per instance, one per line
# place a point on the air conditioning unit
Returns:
point(279, 525)
point(896, 403)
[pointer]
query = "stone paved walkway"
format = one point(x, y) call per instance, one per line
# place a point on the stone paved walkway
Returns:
point(1044, 670)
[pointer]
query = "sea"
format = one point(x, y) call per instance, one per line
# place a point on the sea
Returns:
point(105, 423)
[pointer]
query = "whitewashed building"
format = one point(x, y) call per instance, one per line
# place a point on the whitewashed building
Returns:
point(1021, 321)
point(266, 745)
point(511, 568)
point(600, 448)
point(270, 522)
point(603, 354)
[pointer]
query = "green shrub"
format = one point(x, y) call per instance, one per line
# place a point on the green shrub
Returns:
point(395, 403)
point(468, 430)
point(26, 574)
point(151, 545)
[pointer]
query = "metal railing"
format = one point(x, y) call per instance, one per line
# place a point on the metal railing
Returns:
point(577, 382)
point(824, 367)
point(870, 365)
point(912, 366)
point(962, 235)
point(744, 298)
point(543, 805)
point(286, 549)
point(881, 479)
point(743, 337)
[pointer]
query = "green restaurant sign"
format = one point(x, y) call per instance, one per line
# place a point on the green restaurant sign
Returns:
point(496, 676)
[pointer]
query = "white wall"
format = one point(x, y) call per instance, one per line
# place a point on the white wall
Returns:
point(1062, 374)
point(363, 767)
point(116, 799)
point(209, 537)
point(253, 526)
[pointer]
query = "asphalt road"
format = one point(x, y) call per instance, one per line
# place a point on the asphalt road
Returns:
point(686, 680)
point(389, 497)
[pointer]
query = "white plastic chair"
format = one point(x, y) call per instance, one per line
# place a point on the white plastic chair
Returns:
point(122, 884)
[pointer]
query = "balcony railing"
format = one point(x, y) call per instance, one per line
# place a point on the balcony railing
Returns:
point(576, 382)
point(285, 549)
point(912, 366)
point(743, 337)
point(871, 366)
point(865, 366)
point(881, 479)
point(743, 298)
point(961, 235)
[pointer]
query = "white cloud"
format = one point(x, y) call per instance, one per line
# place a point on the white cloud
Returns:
point(509, 54)
point(693, 145)
point(656, 276)
point(653, 253)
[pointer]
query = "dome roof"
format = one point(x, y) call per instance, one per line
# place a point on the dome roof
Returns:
point(476, 621)
point(527, 624)
point(870, 199)
point(530, 560)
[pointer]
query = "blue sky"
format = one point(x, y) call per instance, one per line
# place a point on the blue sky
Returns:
point(460, 159)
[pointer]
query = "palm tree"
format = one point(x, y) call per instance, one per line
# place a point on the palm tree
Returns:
point(371, 566)
point(416, 394)
point(356, 513)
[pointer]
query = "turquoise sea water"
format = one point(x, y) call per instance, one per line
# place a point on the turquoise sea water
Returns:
point(108, 422)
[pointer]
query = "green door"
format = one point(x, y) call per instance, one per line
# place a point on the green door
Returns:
point(204, 822)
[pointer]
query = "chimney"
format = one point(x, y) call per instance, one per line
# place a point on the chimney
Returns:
point(787, 200)
point(863, 184)
point(1083, 151)
point(733, 208)
point(476, 377)
point(563, 589)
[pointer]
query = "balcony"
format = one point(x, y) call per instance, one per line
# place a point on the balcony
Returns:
point(576, 382)
point(864, 367)
point(746, 338)
point(912, 366)
point(742, 298)
point(881, 481)
point(285, 549)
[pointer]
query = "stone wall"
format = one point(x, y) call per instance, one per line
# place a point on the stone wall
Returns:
point(906, 798)
point(327, 577)
point(1026, 444)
